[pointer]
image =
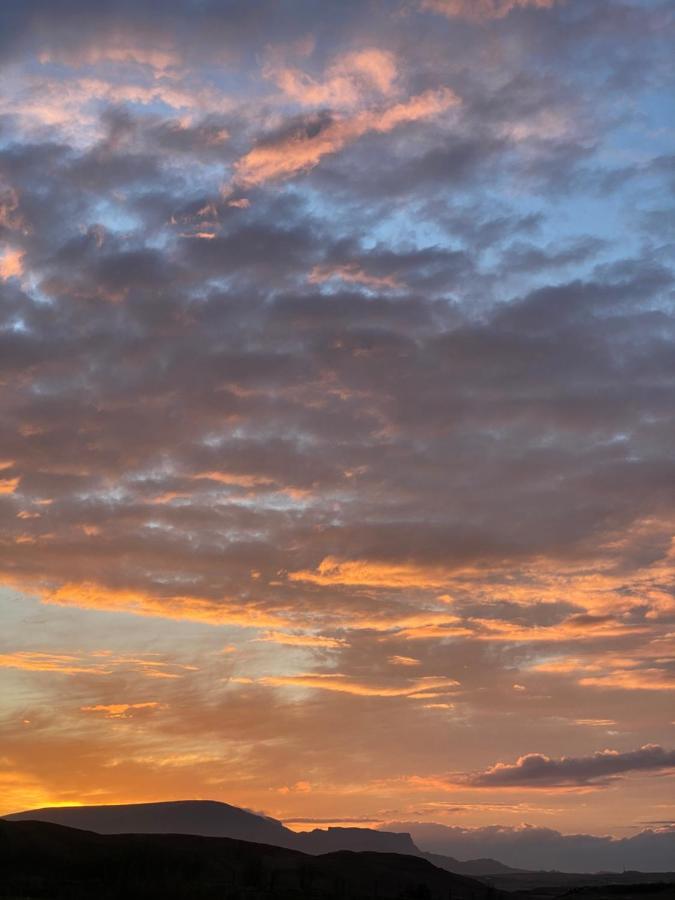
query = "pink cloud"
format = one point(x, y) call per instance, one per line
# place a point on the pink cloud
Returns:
point(301, 152)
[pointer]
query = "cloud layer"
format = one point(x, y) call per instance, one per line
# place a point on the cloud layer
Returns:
point(337, 406)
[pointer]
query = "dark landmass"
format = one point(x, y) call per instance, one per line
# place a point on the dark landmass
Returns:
point(651, 891)
point(535, 885)
point(209, 818)
point(43, 861)
point(475, 868)
point(200, 817)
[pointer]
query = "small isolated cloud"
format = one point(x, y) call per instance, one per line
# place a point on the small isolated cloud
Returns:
point(537, 770)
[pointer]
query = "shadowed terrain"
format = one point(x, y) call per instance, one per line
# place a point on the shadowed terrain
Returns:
point(43, 860)
point(213, 819)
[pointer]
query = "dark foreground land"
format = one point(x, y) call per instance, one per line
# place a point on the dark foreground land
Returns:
point(42, 860)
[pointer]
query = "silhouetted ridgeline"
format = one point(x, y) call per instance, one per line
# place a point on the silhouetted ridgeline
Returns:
point(210, 818)
point(42, 860)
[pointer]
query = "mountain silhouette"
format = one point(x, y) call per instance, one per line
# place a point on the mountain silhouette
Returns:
point(210, 818)
point(41, 859)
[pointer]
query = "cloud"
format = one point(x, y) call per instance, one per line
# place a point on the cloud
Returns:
point(348, 81)
point(9, 485)
point(305, 147)
point(121, 710)
point(421, 688)
point(536, 847)
point(49, 662)
point(536, 770)
point(100, 662)
point(11, 264)
point(351, 274)
point(301, 640)
point(400, 410)
point(89, 595)
point(482, 10)
point(331, 571)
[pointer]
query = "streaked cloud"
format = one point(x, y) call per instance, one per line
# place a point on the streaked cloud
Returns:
point(537, 770)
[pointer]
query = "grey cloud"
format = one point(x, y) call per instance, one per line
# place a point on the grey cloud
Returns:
point(536, 770)
point(534, 847)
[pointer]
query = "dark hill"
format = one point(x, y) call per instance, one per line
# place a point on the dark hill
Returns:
point(213, 819)
point(474, 868)
point(52, 862)
point(201, 817)
point(358, 839)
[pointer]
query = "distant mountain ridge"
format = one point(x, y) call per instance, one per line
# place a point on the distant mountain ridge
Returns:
point(210, 818)
point(44, 860)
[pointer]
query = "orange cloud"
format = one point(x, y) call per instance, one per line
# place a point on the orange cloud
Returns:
point(11, 264)
point(236, 479)
point(352, 274)
point(638, 680)
point(403, 661)
point(89, 595)
point(121, 710)
point(9, 485)
point(100, 662)
point(301, 151)
point(419, 689)
point(482, 10)
point(301, 640)
point(578, 627)
point(370, 573)
point(51, 662)
point(347, 79)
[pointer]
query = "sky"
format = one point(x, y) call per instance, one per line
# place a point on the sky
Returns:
point(337, 410)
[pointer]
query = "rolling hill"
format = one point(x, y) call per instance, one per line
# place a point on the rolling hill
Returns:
point(44, 860)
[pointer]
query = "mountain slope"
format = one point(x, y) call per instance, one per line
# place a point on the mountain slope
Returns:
point(474, 868)
point(40, 859)
point(213, 819)
point(199, 817)
point(357, 839)
point(209, 818)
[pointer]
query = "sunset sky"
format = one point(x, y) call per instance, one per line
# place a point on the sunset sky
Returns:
point(337, 409)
